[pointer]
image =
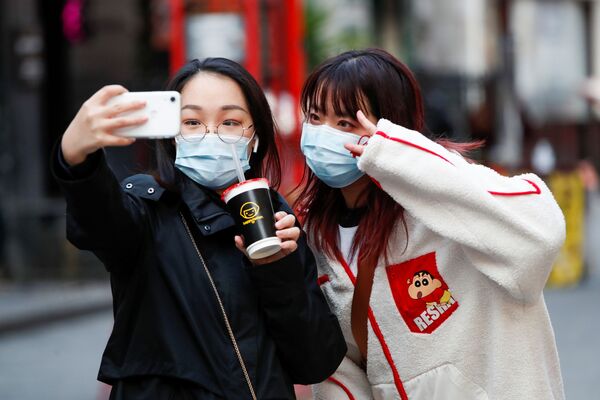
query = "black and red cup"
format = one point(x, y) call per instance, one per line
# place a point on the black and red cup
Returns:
point(249, 203)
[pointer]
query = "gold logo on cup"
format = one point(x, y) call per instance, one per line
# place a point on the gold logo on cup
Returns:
point(249, 211)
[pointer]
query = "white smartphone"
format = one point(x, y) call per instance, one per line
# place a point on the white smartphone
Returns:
point(163, 109)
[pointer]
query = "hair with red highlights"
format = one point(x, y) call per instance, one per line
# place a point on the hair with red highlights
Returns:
point(374, 80)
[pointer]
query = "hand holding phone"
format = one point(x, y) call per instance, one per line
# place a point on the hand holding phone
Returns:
point(96, 122)
point(163, 110)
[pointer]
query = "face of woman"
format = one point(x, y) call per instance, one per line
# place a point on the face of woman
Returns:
point(211, 100)
point(217, 134)
point(324, 138)
point(344, 123)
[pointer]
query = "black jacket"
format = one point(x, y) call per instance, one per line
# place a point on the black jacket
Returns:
point(167, 320)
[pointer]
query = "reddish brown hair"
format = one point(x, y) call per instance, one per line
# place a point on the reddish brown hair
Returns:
point(373, 80)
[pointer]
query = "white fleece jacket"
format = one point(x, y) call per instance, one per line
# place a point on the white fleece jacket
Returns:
point(460, 313)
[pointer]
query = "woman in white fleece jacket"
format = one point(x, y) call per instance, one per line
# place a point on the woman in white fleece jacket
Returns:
point(434, 265)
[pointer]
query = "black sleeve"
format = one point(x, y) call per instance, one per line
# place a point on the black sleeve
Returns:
point(100, 216)
point(86, 168)
point(307, 333)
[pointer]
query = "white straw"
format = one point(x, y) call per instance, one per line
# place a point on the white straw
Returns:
point(238, 165)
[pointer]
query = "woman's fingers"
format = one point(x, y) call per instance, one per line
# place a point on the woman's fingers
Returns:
point(108, 125)
point(288, 247)
point(106, 93)
point(292, 233)
point(116, 109)
point(287, 232)
point(355, 149)
point(116, 141)
point(286, 229)
point(358, 148)
point(369, 126)
point(239, 243)
point(104, 128)
point(280, 214)
point(93, 125)
point(284, 220)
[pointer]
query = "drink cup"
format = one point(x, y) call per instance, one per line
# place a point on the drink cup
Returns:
point(249, 202)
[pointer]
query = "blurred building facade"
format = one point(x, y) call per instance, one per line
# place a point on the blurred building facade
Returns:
point(57, 53)
point(506, 71)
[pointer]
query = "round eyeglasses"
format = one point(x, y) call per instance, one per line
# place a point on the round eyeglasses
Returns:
point(228, 131)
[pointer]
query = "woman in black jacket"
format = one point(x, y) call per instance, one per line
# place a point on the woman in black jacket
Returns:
point(194, 318)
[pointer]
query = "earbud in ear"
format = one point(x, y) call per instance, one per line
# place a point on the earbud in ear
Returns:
point(255, 149)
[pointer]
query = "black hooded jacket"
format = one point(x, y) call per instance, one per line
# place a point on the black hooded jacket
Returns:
point(167, 322)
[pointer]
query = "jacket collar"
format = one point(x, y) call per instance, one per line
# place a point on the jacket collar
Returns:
point(206, 207)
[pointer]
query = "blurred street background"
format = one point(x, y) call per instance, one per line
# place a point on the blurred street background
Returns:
point(523, 75)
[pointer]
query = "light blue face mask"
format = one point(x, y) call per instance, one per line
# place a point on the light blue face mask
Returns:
point(326, 156)
point(210, 162)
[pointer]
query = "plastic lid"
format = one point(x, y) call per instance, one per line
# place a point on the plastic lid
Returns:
point(240, 187)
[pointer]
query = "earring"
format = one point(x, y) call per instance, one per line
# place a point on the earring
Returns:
point(255, 149)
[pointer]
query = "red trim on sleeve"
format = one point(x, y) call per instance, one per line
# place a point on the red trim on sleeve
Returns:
point(341, 385)
point(536, 190)
point(322, 279)
point(379, 334)
point(386, 136)
point(535, 187)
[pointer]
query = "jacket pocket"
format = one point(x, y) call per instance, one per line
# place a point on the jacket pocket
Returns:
point(443, 383)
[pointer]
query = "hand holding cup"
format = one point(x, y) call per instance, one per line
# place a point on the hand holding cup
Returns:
point(249, 203)
point(286, 231)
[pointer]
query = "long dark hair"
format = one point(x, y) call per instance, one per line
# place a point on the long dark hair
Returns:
point(265, 162)
point(373, 80)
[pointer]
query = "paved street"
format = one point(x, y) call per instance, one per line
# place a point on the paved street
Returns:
point(57, 361)
point(60, 360)
point(574, 314)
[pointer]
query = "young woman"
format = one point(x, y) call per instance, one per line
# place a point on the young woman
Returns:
point(194, 318)
point(434, 265)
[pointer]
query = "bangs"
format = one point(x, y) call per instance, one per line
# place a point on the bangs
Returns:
point(338, 88)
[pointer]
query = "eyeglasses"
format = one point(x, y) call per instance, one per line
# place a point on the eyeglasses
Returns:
point(228, 131)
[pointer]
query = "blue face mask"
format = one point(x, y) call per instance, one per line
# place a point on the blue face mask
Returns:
point(327, 157)
point(210, 161)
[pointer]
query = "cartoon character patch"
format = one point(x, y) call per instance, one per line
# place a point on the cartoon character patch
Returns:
point(421, 295)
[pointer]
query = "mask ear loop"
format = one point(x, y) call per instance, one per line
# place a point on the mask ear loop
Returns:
point(363, 140)
point(255, 146)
